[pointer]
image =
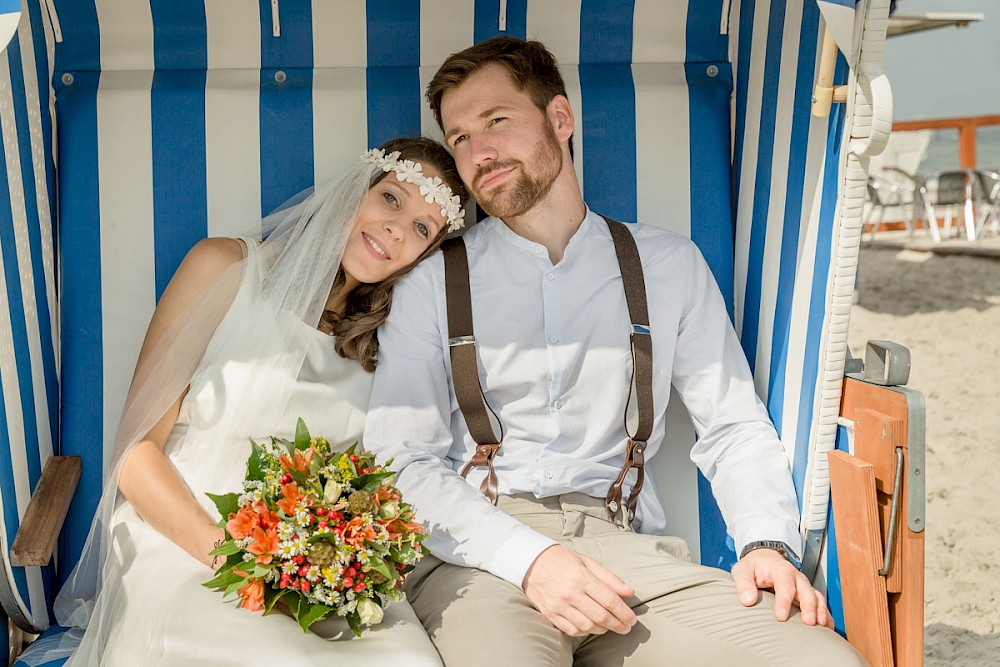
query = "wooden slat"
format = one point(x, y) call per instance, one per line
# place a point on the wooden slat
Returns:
point(859, 550)
point(36, 538)
point(880, 417)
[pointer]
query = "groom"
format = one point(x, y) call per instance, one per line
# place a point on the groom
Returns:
point(543, 576)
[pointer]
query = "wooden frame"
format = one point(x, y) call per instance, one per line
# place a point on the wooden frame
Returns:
point(883, 610)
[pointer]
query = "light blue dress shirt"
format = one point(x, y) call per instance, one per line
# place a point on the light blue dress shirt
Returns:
point(555, 367)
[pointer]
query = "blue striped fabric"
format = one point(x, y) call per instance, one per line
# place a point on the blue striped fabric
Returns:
point(181, 119)
point(29, 381)
point(786, 167)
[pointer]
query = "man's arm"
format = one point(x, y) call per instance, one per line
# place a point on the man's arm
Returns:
point(738, 449)
point(410, 421)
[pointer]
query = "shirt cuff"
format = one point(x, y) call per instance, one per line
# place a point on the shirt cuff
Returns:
point(772, 529)
point(512, 560)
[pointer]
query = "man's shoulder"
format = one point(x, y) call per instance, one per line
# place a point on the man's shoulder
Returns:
point(661, 247)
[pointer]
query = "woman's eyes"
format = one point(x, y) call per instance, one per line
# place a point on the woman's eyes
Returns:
point(393, 200)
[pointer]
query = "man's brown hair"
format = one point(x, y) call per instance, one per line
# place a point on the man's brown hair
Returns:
point(531, 66)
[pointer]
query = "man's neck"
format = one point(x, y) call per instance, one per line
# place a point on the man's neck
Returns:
point(553, 221)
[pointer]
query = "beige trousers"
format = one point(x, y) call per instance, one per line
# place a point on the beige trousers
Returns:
point(688, 614)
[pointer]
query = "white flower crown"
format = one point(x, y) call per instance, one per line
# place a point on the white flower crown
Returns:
point(432, 188)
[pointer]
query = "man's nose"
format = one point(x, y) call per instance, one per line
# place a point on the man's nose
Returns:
point(483, 150)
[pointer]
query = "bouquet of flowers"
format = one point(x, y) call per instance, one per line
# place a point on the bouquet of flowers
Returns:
point(324, 532)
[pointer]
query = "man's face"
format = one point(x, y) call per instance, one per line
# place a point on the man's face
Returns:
point(505, 147)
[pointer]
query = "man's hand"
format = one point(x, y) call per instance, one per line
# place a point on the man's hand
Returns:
point(766, 568)
point(577, 594)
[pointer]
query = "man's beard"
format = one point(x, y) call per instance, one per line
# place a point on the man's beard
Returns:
point(513, 200)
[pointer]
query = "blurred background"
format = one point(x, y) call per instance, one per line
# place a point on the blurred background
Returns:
point(929, 278)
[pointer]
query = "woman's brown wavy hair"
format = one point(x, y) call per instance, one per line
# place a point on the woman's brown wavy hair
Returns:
point(355, 331)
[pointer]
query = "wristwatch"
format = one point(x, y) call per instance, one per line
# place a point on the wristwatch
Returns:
point(774, 545)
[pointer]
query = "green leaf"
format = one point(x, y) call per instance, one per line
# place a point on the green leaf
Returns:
point(379, 565)
point(255, 464)
point(312, 613)
point(260, 571)
point(302, 436)
point(271, 596)
point(233, 587)
point(371, 481)
point(227, 548)
point(227, 504)
point(223, 580)
point(354, 621)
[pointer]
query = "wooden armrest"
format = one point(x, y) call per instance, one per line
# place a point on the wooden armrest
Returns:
point(36, 538)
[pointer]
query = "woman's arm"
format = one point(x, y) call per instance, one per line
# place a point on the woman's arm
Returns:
point(147, 479)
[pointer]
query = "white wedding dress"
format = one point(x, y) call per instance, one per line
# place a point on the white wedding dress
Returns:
point(160, 612)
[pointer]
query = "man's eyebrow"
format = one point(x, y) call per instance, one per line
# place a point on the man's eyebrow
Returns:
point(484, 114)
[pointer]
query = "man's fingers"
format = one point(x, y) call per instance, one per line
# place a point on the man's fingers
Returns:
point(807, 598)
point(610, 579)
point(607, 590)
point(746, 584)
point(784, 594)
point(823, 616)
point(609, 610)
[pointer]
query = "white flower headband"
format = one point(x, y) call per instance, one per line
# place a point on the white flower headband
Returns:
point(432, 188)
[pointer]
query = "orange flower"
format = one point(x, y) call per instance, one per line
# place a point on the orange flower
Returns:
point(301, 463)
point(292, 496)
point(355, 533)
point(399, 528)
point(268, 518)
point(265, 544)
point(252, 595)
point(243, 522)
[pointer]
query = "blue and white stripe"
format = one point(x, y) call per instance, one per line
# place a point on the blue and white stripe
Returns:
point(29, 363)
point(180, 119)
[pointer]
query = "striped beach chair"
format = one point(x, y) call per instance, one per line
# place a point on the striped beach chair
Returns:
point(132, 130)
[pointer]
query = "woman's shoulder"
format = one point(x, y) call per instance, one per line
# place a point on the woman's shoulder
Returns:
point(210, 257)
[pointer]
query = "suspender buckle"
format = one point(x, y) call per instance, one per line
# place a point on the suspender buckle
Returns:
point(461, 340)
point(640, 329)
point(623, 514)
point(483, 458)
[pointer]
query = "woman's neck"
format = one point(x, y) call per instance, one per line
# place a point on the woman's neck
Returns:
point(337, 301)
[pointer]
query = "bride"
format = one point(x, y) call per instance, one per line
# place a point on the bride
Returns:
point(248, 337)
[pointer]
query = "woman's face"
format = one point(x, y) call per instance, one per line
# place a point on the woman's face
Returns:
point(394, 226)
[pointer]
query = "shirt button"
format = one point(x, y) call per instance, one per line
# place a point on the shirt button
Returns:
point(553, 339)
point(539, 251)
point(550, 275)
point(558, 405)
point(548, 474)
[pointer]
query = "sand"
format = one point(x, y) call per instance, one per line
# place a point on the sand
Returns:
point(946, 309)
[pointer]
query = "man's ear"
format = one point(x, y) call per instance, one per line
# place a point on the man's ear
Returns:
point(560, 114)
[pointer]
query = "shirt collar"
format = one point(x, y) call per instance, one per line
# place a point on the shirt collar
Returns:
point(590, 221)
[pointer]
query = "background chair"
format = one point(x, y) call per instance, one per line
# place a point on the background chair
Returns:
point(988, 185)
point(894, 195)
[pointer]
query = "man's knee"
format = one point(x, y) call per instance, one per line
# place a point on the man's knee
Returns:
point(474, 618)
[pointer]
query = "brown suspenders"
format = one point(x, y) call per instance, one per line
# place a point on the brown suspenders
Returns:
point(468, 391)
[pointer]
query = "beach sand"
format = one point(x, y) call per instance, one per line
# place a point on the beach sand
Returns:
point(946, 309)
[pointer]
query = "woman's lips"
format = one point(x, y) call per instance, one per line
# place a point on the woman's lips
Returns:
point(375, 248)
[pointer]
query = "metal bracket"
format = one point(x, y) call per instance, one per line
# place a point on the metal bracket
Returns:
point(886, 364)
point(812, 551)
